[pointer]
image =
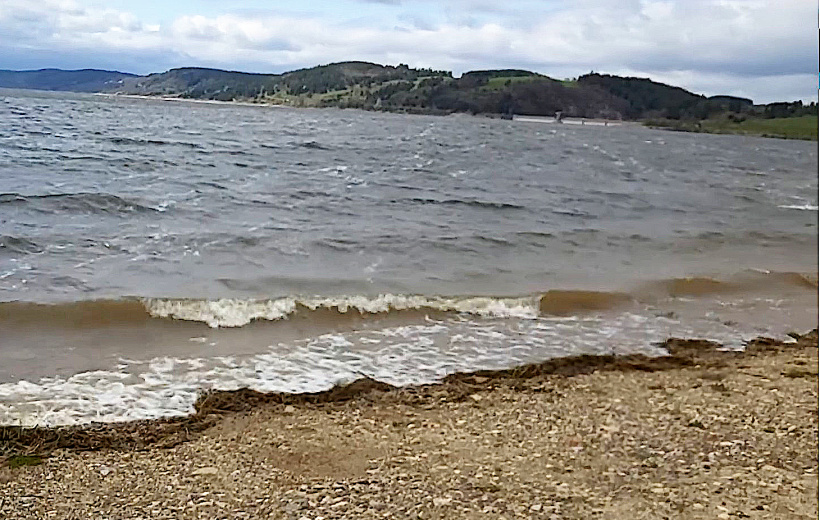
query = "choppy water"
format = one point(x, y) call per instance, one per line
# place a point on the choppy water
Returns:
point(152, 249)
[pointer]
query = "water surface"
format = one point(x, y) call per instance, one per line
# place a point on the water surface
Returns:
point(149, 249)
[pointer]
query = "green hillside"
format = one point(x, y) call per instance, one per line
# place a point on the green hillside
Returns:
point(370, 86)
point(801, 127)
point(200, 83)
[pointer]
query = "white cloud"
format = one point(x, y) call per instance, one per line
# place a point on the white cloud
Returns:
point(763, 49)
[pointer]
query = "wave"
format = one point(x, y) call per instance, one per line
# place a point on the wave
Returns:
point(475, 203)
point(19, 245)
point(234, 312)
point(77, 202)
point(75, 315)
point(804, 207)
point(151, 142)
point(231, 312)
point(572, 302)
point(750, 280)
point(311, 145)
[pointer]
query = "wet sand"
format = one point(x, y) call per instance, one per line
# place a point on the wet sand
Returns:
point(701, 433)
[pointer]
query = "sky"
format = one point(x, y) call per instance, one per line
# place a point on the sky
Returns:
point(766, 50)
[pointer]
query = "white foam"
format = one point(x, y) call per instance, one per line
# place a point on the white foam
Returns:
point(480, 306)
point(221, 313)
point(230, 312)
point(804, 207)
point(405, 355)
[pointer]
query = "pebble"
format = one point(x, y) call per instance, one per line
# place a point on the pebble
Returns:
point(512, 456)
point(209, 470)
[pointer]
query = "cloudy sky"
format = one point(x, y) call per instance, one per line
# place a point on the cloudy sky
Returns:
point(763, 49)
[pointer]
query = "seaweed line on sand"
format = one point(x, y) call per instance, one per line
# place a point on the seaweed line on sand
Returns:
point(16, 441)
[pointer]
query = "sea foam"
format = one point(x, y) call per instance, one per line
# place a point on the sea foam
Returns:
point(230, 312)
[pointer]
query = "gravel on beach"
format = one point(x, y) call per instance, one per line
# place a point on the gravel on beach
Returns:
point(705, 434)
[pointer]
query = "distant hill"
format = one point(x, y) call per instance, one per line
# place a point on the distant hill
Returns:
point(86, 80)
point(370, 86)
point(226, 86)
point(199, 83)
point(499, 73)
point(642, 95)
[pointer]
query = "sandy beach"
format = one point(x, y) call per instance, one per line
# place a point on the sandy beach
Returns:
point(701, 433)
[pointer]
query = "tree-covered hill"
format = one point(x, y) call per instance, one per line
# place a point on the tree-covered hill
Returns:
point(86, 80)
point(370, 86)
point(644, 97)
point(224, 85)
point(345, 75)
point(199, 83)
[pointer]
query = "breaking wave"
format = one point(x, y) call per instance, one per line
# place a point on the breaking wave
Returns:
point(76, 202)
point(19, 245)
point(804, 207)
point(475, 203)
point(236, 312)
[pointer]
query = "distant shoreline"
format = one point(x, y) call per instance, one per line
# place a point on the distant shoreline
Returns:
point(522, 118)
point(704, 126)
point(188, 100)
point(575, 121)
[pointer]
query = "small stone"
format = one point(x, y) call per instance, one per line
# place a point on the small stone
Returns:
point(475, 397)
point(438, 501)
point(290, 409)
point(723, 516)
point(535, 507)
point(105, 470)
point(208, 470)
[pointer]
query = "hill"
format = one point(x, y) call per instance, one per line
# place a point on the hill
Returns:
point(199, 83)
point(86, 80)
point(371, 86)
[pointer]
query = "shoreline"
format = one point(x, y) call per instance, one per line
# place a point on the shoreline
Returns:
point(189, 100)
point(214, 404)
point(701, 433)
point(780, 130)
point(576, 121)
point(693, 127)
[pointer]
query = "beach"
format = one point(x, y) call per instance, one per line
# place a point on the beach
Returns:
point(700, 433)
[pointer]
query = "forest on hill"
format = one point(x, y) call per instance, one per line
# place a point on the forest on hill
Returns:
point(504, 92)
point(401, 88)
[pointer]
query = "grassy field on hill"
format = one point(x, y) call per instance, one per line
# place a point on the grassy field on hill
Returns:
point(803, 127)
point(503, 82)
